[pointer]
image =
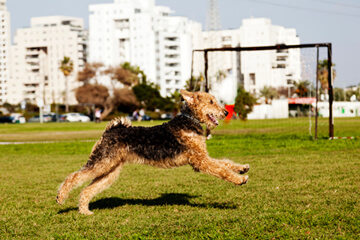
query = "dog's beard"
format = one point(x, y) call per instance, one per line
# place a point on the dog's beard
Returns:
point(213, 119)
point(211, 122)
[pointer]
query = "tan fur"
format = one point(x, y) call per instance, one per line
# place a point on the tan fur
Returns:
point(204, 109)
point(116, 121)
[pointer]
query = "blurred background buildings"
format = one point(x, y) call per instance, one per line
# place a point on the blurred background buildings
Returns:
point(5, 41)
point(148, 36)
point(36, 56)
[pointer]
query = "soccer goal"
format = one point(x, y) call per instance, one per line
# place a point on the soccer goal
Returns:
point(293, 85)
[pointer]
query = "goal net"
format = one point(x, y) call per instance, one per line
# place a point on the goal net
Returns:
point(289, 82)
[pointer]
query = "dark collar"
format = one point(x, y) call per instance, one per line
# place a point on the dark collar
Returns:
point(191, 117)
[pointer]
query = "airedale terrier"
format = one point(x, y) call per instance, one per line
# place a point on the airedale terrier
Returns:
point(176, 143)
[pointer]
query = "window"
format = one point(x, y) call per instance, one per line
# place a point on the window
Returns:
point(252, 78)
point(226, 38)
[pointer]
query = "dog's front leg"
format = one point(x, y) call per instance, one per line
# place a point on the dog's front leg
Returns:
point(237, 168)
point(218, 169)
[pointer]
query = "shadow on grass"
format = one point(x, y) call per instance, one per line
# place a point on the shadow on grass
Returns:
point(163, 200)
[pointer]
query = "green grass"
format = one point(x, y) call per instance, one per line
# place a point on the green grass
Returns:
point(298, 188)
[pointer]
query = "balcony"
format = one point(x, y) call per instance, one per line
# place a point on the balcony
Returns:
point(34, 52)
point(172, 61)
point(171, 47)
point(171, 51)
point(173, 74)
point(171, 41)
point(122, 24)
point(32, 61)
point(281, 59)
point(282, 53)
point(172, 56)
point(172, 64)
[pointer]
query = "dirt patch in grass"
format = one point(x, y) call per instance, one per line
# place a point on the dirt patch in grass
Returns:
point(51, 136)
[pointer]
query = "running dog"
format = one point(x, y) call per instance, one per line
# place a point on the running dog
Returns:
point(176, 143)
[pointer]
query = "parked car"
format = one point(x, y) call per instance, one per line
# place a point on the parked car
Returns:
point(6, 119)
point(46, 118)
point(13, 118)
point(146, 118)
point(18, 118)
point(74, 117)
point(167, 116)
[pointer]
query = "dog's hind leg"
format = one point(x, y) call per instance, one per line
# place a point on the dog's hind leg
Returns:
point(96, 186)
point(73, 180)
point(217, 169)
point(88, 172)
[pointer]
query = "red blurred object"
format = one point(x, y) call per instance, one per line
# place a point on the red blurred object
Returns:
point(301, 100)
point(230, 109)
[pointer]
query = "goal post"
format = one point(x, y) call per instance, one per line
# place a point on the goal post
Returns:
point(279, 47)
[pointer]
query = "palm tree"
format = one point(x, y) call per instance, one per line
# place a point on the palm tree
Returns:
point(302, 88)
point(66, 67)
point(269, 93)
point(323, 74)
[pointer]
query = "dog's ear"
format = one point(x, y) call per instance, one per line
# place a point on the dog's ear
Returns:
point(187, 96)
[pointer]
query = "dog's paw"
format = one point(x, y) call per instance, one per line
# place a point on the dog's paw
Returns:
point(86, 212)
point(59, 200)
point(244, 169)
point(242, 180)
point(246, 179)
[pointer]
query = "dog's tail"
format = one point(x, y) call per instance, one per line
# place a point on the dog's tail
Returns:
point(119, 122)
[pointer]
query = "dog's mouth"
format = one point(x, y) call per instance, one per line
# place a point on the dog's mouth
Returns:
point(213, 119)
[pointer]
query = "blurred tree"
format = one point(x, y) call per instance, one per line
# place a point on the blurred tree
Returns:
point(302, 88)
point(66, 67)
point(92, 93)
point(339, 94)
point(269, 93)
point(244, 103)
point(102, 96)
point(176, 99)
point(11, 108)
point(122, 75)
point(194, 83)
point(148, 95)
point(283, 92)
point(126, 100)
point(352, 92)
point(323, 74)
point(89, 72)
point(135, 70)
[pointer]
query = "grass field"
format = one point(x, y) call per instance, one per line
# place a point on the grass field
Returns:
point(298, 188)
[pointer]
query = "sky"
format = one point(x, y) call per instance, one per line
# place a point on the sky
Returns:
point(315, 21)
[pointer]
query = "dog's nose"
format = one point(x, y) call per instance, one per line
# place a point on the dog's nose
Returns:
point(226, 113)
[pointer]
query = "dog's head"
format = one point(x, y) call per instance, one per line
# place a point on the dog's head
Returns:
point(204, 107)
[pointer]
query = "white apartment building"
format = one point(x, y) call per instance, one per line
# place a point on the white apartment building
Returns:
point(268, 68)
point(252, 69)
point(36, 57)
point(145, 35)
point(4, 50)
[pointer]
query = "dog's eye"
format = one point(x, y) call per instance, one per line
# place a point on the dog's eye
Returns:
point(211, 102)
